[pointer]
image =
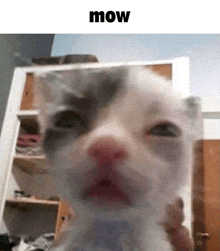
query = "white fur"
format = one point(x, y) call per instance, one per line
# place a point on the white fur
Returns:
point(148, 175)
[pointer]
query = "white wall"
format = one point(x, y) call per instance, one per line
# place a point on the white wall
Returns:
point(203, 51)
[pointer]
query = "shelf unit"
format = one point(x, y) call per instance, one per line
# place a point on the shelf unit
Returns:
point(22, 171)
point(31, 164)
point(21, 109)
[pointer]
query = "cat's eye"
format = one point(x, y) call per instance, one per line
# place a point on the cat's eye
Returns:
point(165, 129)
point(68, 120)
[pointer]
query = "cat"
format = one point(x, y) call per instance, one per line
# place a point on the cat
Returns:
point(119, 141)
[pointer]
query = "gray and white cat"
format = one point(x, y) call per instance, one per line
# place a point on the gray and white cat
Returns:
point(119, 142)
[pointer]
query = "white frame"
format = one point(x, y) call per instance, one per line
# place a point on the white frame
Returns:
point(11, 124)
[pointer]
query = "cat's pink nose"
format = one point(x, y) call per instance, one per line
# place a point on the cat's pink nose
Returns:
point(107, 150)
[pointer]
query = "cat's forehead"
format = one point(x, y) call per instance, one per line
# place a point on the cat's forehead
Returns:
point(95, 80)
point(106, 83)
point(121, 76)
point(99, 86)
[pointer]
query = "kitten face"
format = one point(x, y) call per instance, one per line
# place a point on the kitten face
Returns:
point(117, 138)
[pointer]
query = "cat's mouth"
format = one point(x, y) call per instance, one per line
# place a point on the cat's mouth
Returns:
point(105, 191)
point(111, 188)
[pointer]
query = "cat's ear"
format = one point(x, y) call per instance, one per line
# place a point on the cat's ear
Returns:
point(194, 113)
point(193, 106)
point(48, 89)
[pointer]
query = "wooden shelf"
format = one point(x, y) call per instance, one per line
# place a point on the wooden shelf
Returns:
point(23, 114)
point(31, 164)
point(27, 202)
point(29, 121)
